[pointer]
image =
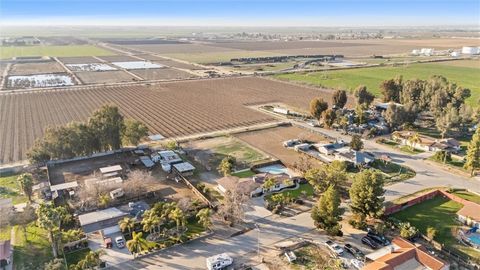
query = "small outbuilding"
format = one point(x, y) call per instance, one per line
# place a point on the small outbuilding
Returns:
point(184, 168)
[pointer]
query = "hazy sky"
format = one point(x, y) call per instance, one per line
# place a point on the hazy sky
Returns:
point(241, 12)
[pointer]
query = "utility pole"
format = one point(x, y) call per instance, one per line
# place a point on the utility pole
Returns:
point(258, 242)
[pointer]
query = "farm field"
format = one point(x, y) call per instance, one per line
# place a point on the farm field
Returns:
point(271, 141)
point(170, 108)
point(163, 74)
point(53, 51)
point(78, 60)
point(218, 56)
point(35, 68)
point(168, 62)
point(114, 76)
point(118, 58)
point(459, 72)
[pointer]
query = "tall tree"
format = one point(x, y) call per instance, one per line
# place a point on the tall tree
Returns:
point(364, 98)
point(333, 174)
point(392, 89)
point(394, 115)
point(50, 218)
point(339, 98)
point(356, 143)
point(366, 194)
point(178, 216)
point(205, 218)
point(317, 107)
point(108, 124)
point(134, 131)
point(90, 261)
point(414, 140)
point(473, 153)
point(25, 181)
point(329, 117)
point(127, 224)
point(137, 244)
point(226, 166)
point(327, 213)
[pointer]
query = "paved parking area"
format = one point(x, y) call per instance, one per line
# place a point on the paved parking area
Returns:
point(114, 255)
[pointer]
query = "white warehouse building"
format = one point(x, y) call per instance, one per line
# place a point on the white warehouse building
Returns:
point(470, 50)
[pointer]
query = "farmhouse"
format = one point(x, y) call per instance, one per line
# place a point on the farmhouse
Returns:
point(105, 221)
point(426, 143)
point(281, 181)
point(357, 158)
point(243, 185)
point(403, 255)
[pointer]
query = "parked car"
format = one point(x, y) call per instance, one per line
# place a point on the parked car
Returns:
point(291, 143)
point(334, 247)
point(354, 251)
point(357, 264)
point(369, 242)
point(380, 239)
point(120, 242)
point(107, 241)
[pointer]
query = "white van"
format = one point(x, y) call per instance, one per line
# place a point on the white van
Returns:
point(219, 261)
point(116, 193)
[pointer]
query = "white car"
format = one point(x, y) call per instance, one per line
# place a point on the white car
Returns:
point(357, 264)
point(334, 247)
point(120, 242)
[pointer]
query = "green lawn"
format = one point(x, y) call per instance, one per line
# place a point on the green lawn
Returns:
point(466, 76)
point(54, 51)
point(469, 196)
point(32, 251)
point(296, 192)
point(76, 256)
point(394, 171)
point(244, 174)
point(9, 189)
point(439, 213)
point(239, 150)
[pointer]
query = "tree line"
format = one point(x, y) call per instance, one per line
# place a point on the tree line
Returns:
point(106, 129)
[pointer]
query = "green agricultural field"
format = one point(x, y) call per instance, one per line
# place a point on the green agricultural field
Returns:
point(464, 72)
point(54, 51)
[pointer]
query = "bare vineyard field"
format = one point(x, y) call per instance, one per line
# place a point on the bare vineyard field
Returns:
point(170, 108)
point(78, 60)
point(35, 68)
point(115, 76)
point(162, 74)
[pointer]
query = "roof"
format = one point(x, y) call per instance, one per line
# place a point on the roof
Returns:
point(63, 186)
point(100, 215)
point(169, 156)
point(109, 169)
point(184, 167)
point(279, 178)
point(147, 161)
point(404, 255)
point(471, 210)
point(244, 185)
point(5, 250)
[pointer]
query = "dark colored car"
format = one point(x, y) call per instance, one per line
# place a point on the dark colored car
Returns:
point(369, 242)
point(354, 251)
point(380, 239)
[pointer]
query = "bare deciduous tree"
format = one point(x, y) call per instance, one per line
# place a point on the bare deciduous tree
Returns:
point(234, 205)
point(137, 183)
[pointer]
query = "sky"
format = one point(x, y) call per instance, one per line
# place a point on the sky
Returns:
point(241, 12)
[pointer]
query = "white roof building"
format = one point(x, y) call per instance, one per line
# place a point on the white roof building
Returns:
point(110, 169)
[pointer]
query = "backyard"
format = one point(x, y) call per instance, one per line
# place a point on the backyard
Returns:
point(465, 75)
point(439, 213)
point(76, 256)
point(33, 250)
point(9, 188)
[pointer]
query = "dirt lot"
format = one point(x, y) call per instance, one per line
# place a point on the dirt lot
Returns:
point(170, 108)
point(36, 68)
point(78, 60)
point(163, 74)
point(104, 76)
point(271, 141)
point(281, 45)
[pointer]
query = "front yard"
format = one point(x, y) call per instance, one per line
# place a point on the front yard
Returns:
point(404, 148)
point(9, 188)
point(312, 257)
point(439, 213)
point(393, 172)
point(303, 189)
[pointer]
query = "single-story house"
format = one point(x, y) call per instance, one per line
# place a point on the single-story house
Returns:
point(168, 157)
point(105, 221)
point(5, 252)
point(184, 168)
point(282, 181)
point(329, 148)
point(357, 158)
point(427, 143)
point(244, 185)
point(469, 214)
point(403, 255)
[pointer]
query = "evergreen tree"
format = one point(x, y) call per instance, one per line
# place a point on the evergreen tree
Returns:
point(473, 153)
point(339, 98)
point(366, 194)
point(317, 107)
point(327, 214)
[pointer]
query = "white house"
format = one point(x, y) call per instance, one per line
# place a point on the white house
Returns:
point(355, 157)
point(426, 143)
point(253, 186)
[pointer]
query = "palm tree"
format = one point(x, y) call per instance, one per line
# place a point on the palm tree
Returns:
point(204, 218)
point(414, 139)
point(91, 261)
point(127, 224)
point(25, 181)
point(150, 222)
point(50, 218)
point(137, 244)
point(177, 216)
